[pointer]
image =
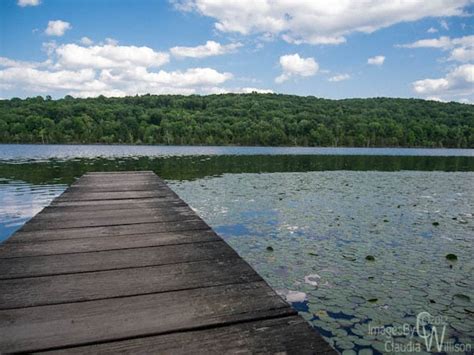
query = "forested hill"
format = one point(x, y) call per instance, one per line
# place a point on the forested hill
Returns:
point(238, 119)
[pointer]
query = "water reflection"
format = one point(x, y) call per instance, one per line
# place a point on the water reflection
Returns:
point(20, 201)
point(28, 152)
point(195, 167)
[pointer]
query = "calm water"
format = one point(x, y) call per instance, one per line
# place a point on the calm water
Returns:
point(48, 151)
point(353, 238)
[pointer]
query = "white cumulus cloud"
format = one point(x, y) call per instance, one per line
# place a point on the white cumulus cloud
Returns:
point(457, 82)
point(462, 54)
point(294, 65)
point(44, 81)
point(109, 56)
point(461, 48)
point(444, 24)
point(377, 60)
point(249, 90)
point(24, 3)
point(179, 79)
point(236, 90)
point(441, 42)
point(86, 41)
point(211, 48)
point(106, 69)
point(435, 98)
point(139, 80)
point(7, 62)
point(57, 28)
point(317, 22)
point(339, 77)
point(111, 41)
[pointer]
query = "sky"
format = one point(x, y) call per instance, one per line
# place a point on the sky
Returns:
point(331, 49)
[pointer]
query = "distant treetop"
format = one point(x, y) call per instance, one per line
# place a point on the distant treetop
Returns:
point(238, 119)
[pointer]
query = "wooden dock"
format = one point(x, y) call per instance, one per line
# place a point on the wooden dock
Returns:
point(119, 263)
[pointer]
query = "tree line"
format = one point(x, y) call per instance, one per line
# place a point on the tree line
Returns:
point(238, 119)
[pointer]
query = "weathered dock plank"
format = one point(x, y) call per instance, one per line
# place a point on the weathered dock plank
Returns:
point(118, 318)
point(102, 221)
point(108, 231)
point(10, 249)
point(119, 263)
point(242, 338)
point(59, 264)
point(40, 291)
point(157, 201)
point(114, 206)
point(75, 213)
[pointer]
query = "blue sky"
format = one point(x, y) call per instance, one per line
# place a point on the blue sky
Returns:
point(331, 49)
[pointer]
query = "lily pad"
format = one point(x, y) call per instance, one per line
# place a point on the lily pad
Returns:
point(349, 257)
point(461, 299)
point(343, 344)
point(362, 342)
point(460, 327)
point(379, 346)
point(451, 257)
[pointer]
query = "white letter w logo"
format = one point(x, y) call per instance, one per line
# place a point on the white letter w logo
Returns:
point(422, 320)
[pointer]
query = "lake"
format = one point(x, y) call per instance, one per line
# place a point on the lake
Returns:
point(355, 239)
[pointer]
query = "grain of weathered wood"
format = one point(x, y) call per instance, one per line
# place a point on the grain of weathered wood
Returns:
point(109, 231)
point(141, 173)
point(11, 249)
point(119, 178)
point(116, 187)
point(120, 263)
point(120, 195)
point(111, 184)
point(79, 323)
point(38, 291)
point(106, 181)
point(116, 205)
point(124, 172)
point(285, 335)
point(100, 221)
point(54, 213)
point(150, 200)
point(112, 259)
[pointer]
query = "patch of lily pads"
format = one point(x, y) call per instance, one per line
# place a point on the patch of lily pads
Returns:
point(377, 251)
